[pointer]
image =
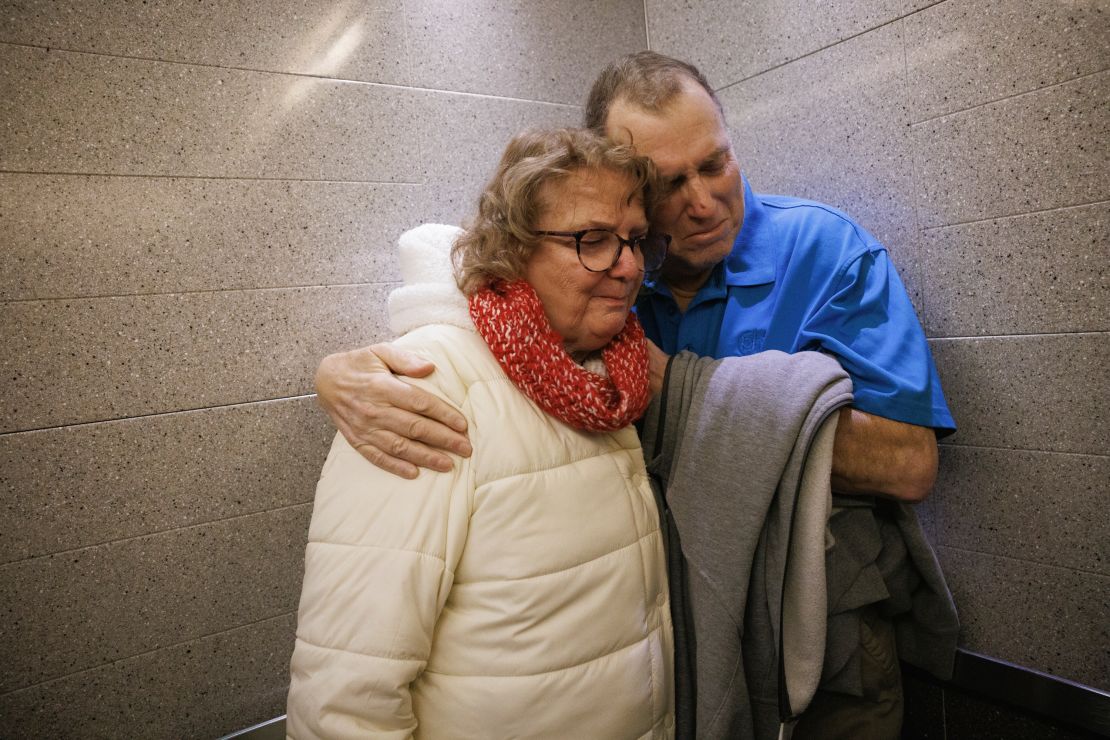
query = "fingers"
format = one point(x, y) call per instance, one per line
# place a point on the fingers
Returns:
point(398, 437)
point(401, 362)
point(435, 410)
point(389, 464)
point(402, 456)
point(407, 424)
point(396, 426)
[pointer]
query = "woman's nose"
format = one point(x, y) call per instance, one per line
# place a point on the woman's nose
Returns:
point(629, 264)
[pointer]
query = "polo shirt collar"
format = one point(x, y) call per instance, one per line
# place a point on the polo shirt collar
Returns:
point(752, 260)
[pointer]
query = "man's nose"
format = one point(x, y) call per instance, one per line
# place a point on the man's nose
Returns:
point(699, 201)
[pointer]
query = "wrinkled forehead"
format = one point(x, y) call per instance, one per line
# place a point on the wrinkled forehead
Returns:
point(590, 190)
point(688, 130)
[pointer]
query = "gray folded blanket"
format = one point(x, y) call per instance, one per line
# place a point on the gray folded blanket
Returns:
point(743, 450)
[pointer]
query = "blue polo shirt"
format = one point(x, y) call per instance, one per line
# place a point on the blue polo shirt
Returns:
point(804, 276)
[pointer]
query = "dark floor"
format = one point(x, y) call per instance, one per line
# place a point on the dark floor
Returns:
point(936, 712)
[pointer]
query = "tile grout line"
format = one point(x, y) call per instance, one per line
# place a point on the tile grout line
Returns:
point(923, 277)
point(421, 142)
point(1024, 93)
point(883, 25)
point(1084, 571)
point(150, 652)
point(1094, 333)
point(154, 414)
point(232, 178)
point(198, 291)
point(155, 533)
point(302, 75)
point(955, 446)
point(1007, 216)
point(815, 51)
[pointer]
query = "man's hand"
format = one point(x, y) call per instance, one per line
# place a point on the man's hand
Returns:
point(394, 425)
point(878, 456)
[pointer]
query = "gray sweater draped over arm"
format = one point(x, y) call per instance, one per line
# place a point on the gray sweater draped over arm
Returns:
point(742, 448)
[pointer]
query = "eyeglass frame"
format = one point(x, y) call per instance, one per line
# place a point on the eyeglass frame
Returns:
point(632, 243)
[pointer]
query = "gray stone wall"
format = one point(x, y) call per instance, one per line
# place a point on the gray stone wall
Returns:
point(200, 200)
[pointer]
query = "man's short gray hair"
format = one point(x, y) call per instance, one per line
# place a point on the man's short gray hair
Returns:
point(645, 79)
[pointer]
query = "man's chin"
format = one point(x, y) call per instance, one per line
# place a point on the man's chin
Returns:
point(679, 270)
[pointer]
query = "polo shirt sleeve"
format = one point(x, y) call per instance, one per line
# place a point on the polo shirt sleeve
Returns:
point(869, 324)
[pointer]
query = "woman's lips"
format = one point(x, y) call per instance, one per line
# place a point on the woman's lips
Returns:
point(623, 301)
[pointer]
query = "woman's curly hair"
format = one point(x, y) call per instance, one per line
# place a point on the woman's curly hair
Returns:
point(499, 239)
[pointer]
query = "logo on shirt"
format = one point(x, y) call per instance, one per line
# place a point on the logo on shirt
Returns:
point(751, 341)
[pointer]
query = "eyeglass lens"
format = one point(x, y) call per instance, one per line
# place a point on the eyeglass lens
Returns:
point(599, 250)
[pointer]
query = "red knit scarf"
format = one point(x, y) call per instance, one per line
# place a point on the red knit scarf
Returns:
point(510, 317)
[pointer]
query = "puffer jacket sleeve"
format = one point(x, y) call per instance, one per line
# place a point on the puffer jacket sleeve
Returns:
point(378, 568)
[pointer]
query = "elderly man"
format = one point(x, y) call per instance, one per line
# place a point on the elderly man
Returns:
point(745, 273)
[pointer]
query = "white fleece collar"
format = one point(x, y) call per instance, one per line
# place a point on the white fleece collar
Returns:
point(429, 294)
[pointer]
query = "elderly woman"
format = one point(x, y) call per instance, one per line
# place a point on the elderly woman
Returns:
point(523, 593)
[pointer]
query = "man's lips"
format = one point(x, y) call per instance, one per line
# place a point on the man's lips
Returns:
point(706, 236)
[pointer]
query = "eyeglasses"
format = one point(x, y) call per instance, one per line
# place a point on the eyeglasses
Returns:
point(600, 249)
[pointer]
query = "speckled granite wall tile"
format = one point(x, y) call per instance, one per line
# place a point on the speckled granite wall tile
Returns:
point(535, 50)
point(1031, 152)
point(1035, 393)
point(832, 127)
point(68, 112)
point(908, 263)
point(1037, 273)
point(1041, 506)
point(963, 53)
point(731, 41)
point(83, 485)
point(105, 358)
point(466, 136)
point(73, 236)
point(198, 689)
point(361, 41)
point(83, 608)
point(1050, 619)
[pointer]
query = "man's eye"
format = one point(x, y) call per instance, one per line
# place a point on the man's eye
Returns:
point(713, 168)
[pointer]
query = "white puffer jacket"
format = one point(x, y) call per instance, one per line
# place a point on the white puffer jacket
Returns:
point(523, 594)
